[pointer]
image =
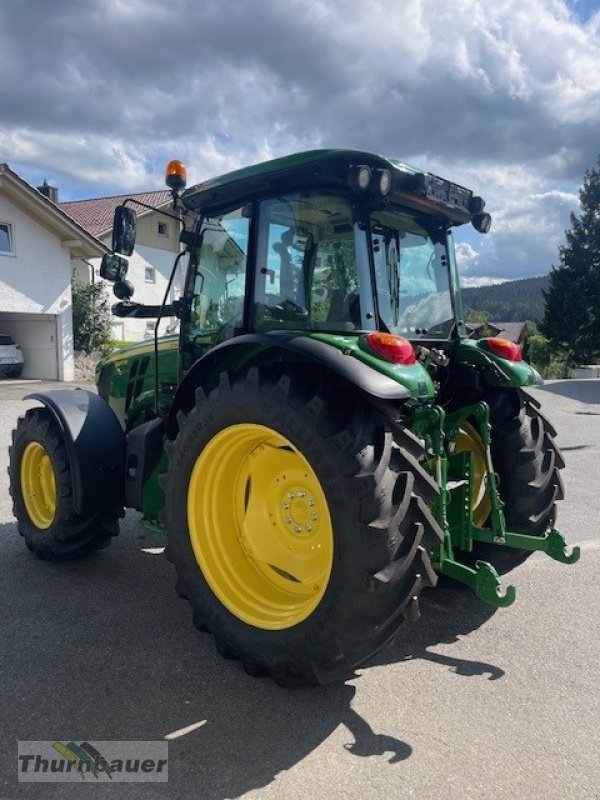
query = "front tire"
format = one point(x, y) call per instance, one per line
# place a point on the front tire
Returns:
point(528, 463)
point(41, 490)
point(299, 598)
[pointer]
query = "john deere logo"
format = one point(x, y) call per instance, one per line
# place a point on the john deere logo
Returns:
point(97, 762)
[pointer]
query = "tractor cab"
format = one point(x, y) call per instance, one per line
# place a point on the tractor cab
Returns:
point(334, 243)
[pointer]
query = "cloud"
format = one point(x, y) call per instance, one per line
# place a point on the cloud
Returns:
point(503, 97)
point(467, 257)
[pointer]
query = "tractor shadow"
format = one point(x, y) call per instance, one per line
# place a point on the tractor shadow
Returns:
point(447, 613)
point(102, 649)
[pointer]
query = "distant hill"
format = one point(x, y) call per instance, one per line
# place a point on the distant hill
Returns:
point(513, 301)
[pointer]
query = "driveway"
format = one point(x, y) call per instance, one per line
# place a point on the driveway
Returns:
point(469, 703)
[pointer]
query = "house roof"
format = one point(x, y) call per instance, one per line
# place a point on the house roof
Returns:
point(96, 214)
point(507, 330)
point(74, 236)
point(511, 330)
point(474, 328)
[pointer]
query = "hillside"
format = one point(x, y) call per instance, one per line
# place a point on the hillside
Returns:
point(513, 301)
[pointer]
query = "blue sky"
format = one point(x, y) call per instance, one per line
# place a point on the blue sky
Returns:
point(584, 9)
point(502, 97)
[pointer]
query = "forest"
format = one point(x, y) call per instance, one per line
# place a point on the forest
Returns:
point(513, 301)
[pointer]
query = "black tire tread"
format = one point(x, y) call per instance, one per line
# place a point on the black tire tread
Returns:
point(71, 535)
point(379, 467)
point(527, 461)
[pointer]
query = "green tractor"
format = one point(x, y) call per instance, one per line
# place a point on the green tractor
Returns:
point(321, 440)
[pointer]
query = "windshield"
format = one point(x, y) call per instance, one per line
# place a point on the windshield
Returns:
point(411, 273)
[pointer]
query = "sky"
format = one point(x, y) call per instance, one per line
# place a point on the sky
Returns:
point(96, 96)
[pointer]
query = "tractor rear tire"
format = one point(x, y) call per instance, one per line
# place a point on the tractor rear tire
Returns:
point(298, 523)
point(528, 463)
point(41, 490)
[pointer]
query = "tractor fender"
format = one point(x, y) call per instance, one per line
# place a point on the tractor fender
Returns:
point(95, 445)
point(244, 350)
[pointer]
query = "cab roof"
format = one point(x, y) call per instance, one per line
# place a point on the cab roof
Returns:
point(329, 167)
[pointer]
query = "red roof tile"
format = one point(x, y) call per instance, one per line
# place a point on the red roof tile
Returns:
point(96, 214)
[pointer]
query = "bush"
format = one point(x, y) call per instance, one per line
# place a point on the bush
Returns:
point(92, 328)
point(548, 362)
point(119, 344)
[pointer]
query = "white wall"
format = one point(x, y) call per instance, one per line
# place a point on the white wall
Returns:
point(37, 280)
point(38, 277)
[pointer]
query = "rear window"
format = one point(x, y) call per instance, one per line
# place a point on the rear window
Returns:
point(6, 339)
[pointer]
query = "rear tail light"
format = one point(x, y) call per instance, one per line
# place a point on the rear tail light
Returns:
point(392, 348)
point(503, 348)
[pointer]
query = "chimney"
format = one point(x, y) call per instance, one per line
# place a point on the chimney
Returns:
point(51, 192)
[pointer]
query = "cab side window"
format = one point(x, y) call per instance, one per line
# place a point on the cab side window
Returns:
point(218, 281)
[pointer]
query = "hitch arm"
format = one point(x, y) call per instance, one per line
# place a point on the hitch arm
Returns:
point(553, 543)
point(484, 580)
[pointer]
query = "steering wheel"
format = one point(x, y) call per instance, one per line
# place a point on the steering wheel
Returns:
point(287, 310)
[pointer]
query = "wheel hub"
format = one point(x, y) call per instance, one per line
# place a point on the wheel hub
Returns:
point(260, 526)
point(38, 485)
point(299, 510)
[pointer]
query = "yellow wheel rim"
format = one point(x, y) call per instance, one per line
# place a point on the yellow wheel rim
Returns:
point(468, 440)
point(260, 526)
point(38, 485)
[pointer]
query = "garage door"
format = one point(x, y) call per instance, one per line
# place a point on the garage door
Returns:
point(36, 333)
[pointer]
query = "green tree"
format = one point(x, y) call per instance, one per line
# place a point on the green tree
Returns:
point(539, 353)
point(92, 328)
point(476, 317)
point(572, 302)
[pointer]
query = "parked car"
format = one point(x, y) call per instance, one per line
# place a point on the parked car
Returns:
point(11, 357)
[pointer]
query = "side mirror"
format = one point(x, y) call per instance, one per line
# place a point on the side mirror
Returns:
point(302, 240)
point(113, 268)
point(124, 230)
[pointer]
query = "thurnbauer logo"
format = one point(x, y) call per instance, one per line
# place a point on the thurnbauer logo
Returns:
point(83, 754)
point(85, 759)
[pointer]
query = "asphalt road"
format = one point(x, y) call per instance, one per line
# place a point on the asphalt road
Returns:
point(470, 703)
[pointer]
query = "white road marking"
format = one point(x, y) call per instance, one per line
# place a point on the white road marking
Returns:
point(154, 551)
point(188, 729)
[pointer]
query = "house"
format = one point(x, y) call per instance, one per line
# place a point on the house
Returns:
point(150, 266)
point(514, 331)
point(480, 330)
point(39, 246)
